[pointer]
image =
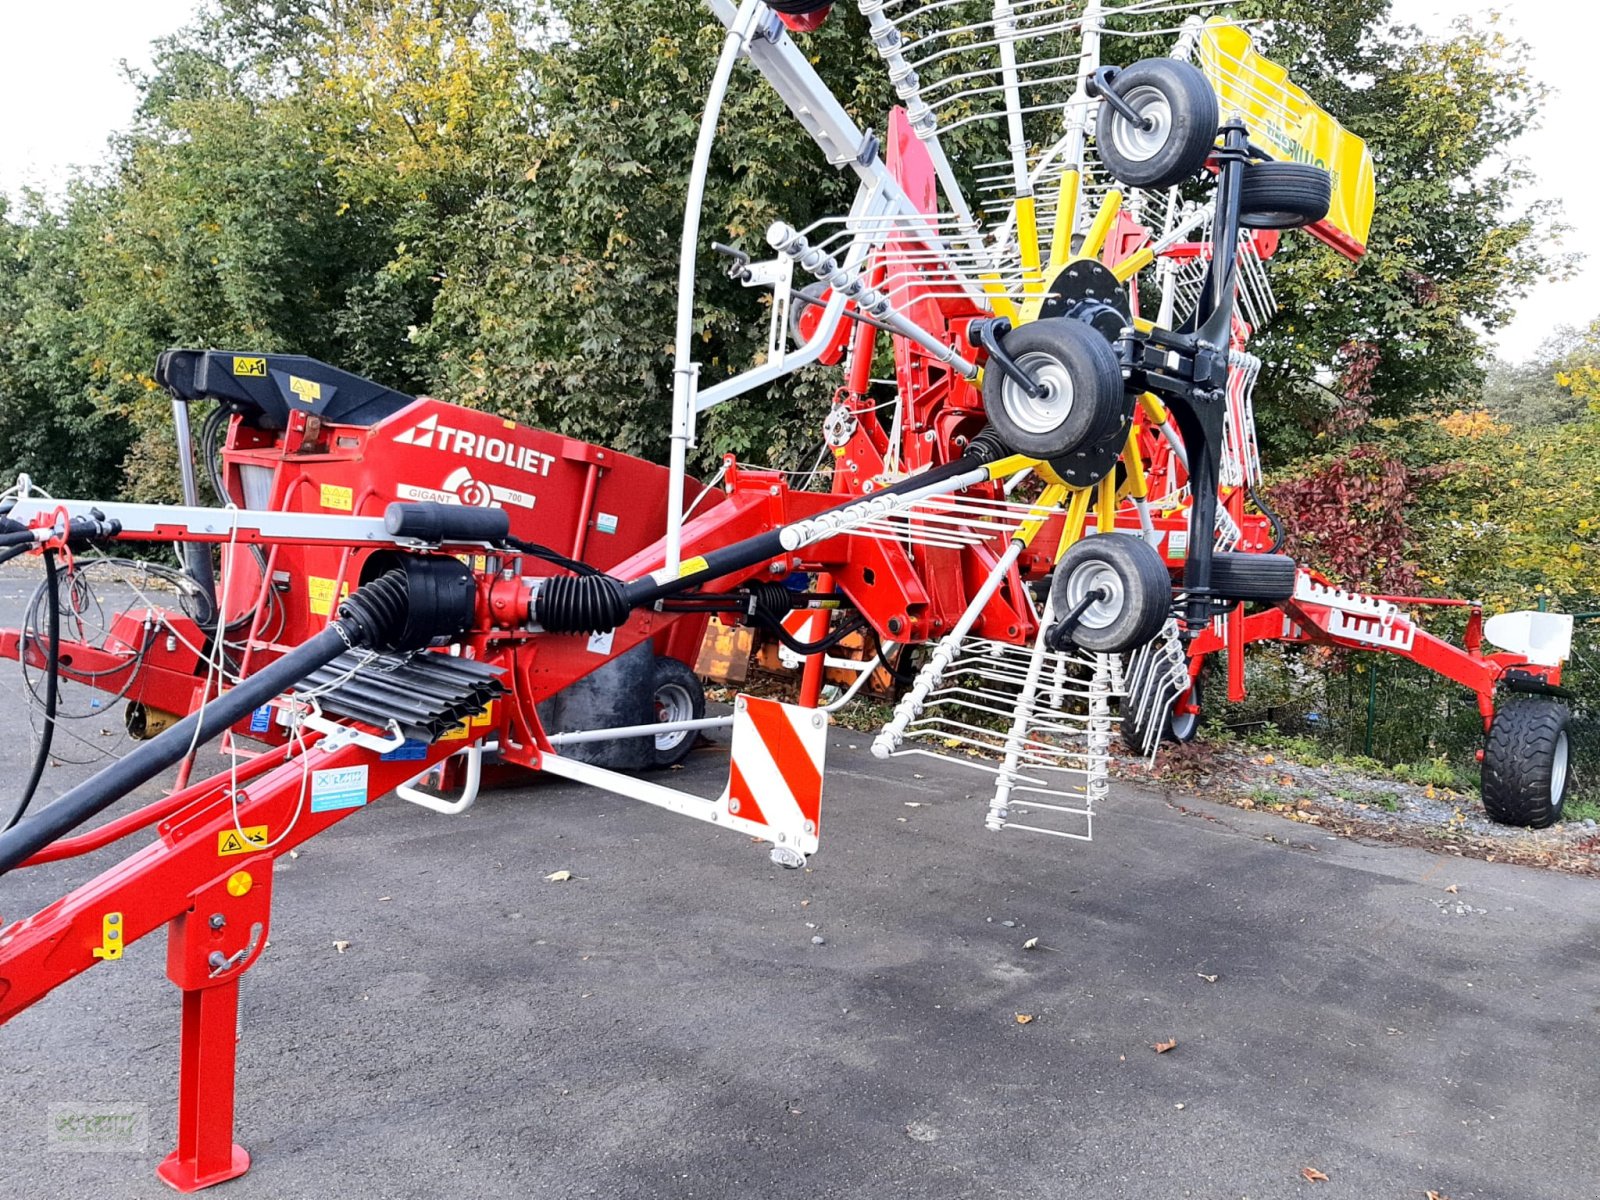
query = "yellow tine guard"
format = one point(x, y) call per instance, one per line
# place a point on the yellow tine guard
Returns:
point(1133, 264)
point(1049, 500)
point(1072, 530)
point(1095, 240)
point(1153, 408)
point(998, 300)
point(1066, 212)
point(1002, 468)
point(1028, 244)
point(1138, 486)
point(1105, 508)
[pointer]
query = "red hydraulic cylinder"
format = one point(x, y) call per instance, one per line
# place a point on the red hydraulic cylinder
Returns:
point(812, 674)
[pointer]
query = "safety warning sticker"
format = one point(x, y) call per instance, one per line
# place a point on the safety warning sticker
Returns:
point(241, 841)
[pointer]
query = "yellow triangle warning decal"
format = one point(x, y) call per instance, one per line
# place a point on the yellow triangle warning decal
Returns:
point(230, 841)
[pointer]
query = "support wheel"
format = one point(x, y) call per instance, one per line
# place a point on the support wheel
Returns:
point(1284, 195)
point(1263, 578)
point(1081, 382)
point(1126, 586)
point(1139, 732)
point(1525, 763)
point(679, 696)
point(1179, 106)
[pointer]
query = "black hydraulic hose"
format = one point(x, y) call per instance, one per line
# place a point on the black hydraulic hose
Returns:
point(554, 557)
point(727, 559)
point(1280, 535)
point(597, 603)
point(384, 614)
point(52, 687)
point(149, 759)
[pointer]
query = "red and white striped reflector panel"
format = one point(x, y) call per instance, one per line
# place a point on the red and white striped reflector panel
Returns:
point(775, 776)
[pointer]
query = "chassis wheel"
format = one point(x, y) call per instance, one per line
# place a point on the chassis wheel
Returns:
point(679, 696)
point(1134, 592)
point(1283, 195)
point(1181, 108)
point(1081, 384)
point(1264, 578)
point(1525, 763)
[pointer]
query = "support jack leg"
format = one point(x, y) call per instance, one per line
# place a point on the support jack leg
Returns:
point(206, 1152)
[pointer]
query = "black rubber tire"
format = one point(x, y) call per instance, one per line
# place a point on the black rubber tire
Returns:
point(1263, 578)
point(679, 696)
point(1526, 763)
point(1177, 95)
point(1136, 734)
point(1141, 592)
point(1283, 195)
point(1063, 355)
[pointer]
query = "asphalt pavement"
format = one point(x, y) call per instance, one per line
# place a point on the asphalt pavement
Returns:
point(666, 1024)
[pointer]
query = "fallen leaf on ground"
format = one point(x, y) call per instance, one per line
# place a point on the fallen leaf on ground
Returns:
point(1024, 1018)
point(1313, 1175)
point(1030, 944)
point(1207, 978)
point(1163, 1047)
point(1433, 1195)
point(1453, 889)
point(341, 947)
point(558, 877)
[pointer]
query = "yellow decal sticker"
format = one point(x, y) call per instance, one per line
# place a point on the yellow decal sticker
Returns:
point(229, 841)
point(250, 366)
point(459, 733)
point(334, 496)
point(690, 565)
point(320, 595)
point(308, 390)
point(1285, 121)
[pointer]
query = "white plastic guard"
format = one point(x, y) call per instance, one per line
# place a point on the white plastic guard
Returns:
point(1544, 638)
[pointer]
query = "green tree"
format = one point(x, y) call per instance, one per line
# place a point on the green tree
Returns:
point(1452, 246)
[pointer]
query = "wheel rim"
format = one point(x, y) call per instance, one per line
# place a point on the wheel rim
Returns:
point(1183, 725)
point(673, 703)
point(1091, 577)
point(1558, 769)
point(1048, 411)
point(1141, 145)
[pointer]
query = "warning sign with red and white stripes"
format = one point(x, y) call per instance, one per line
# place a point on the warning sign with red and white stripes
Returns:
point(775, 776)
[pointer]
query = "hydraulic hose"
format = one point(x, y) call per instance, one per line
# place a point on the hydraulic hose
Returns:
point(387, 613)
point(52, 687)
point(1279, 534)
point(149, 759)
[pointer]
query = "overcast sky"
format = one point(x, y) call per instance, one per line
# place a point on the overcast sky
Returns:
point(64, 91)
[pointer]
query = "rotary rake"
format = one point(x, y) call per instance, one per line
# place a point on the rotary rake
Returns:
point(1055, 501)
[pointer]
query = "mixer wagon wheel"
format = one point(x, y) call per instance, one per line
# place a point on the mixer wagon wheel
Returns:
point(1525, 763)
point(1111, 594)
point(1176, 126)
point(1284, 195)
point(679, 696)
point(1079, 385)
